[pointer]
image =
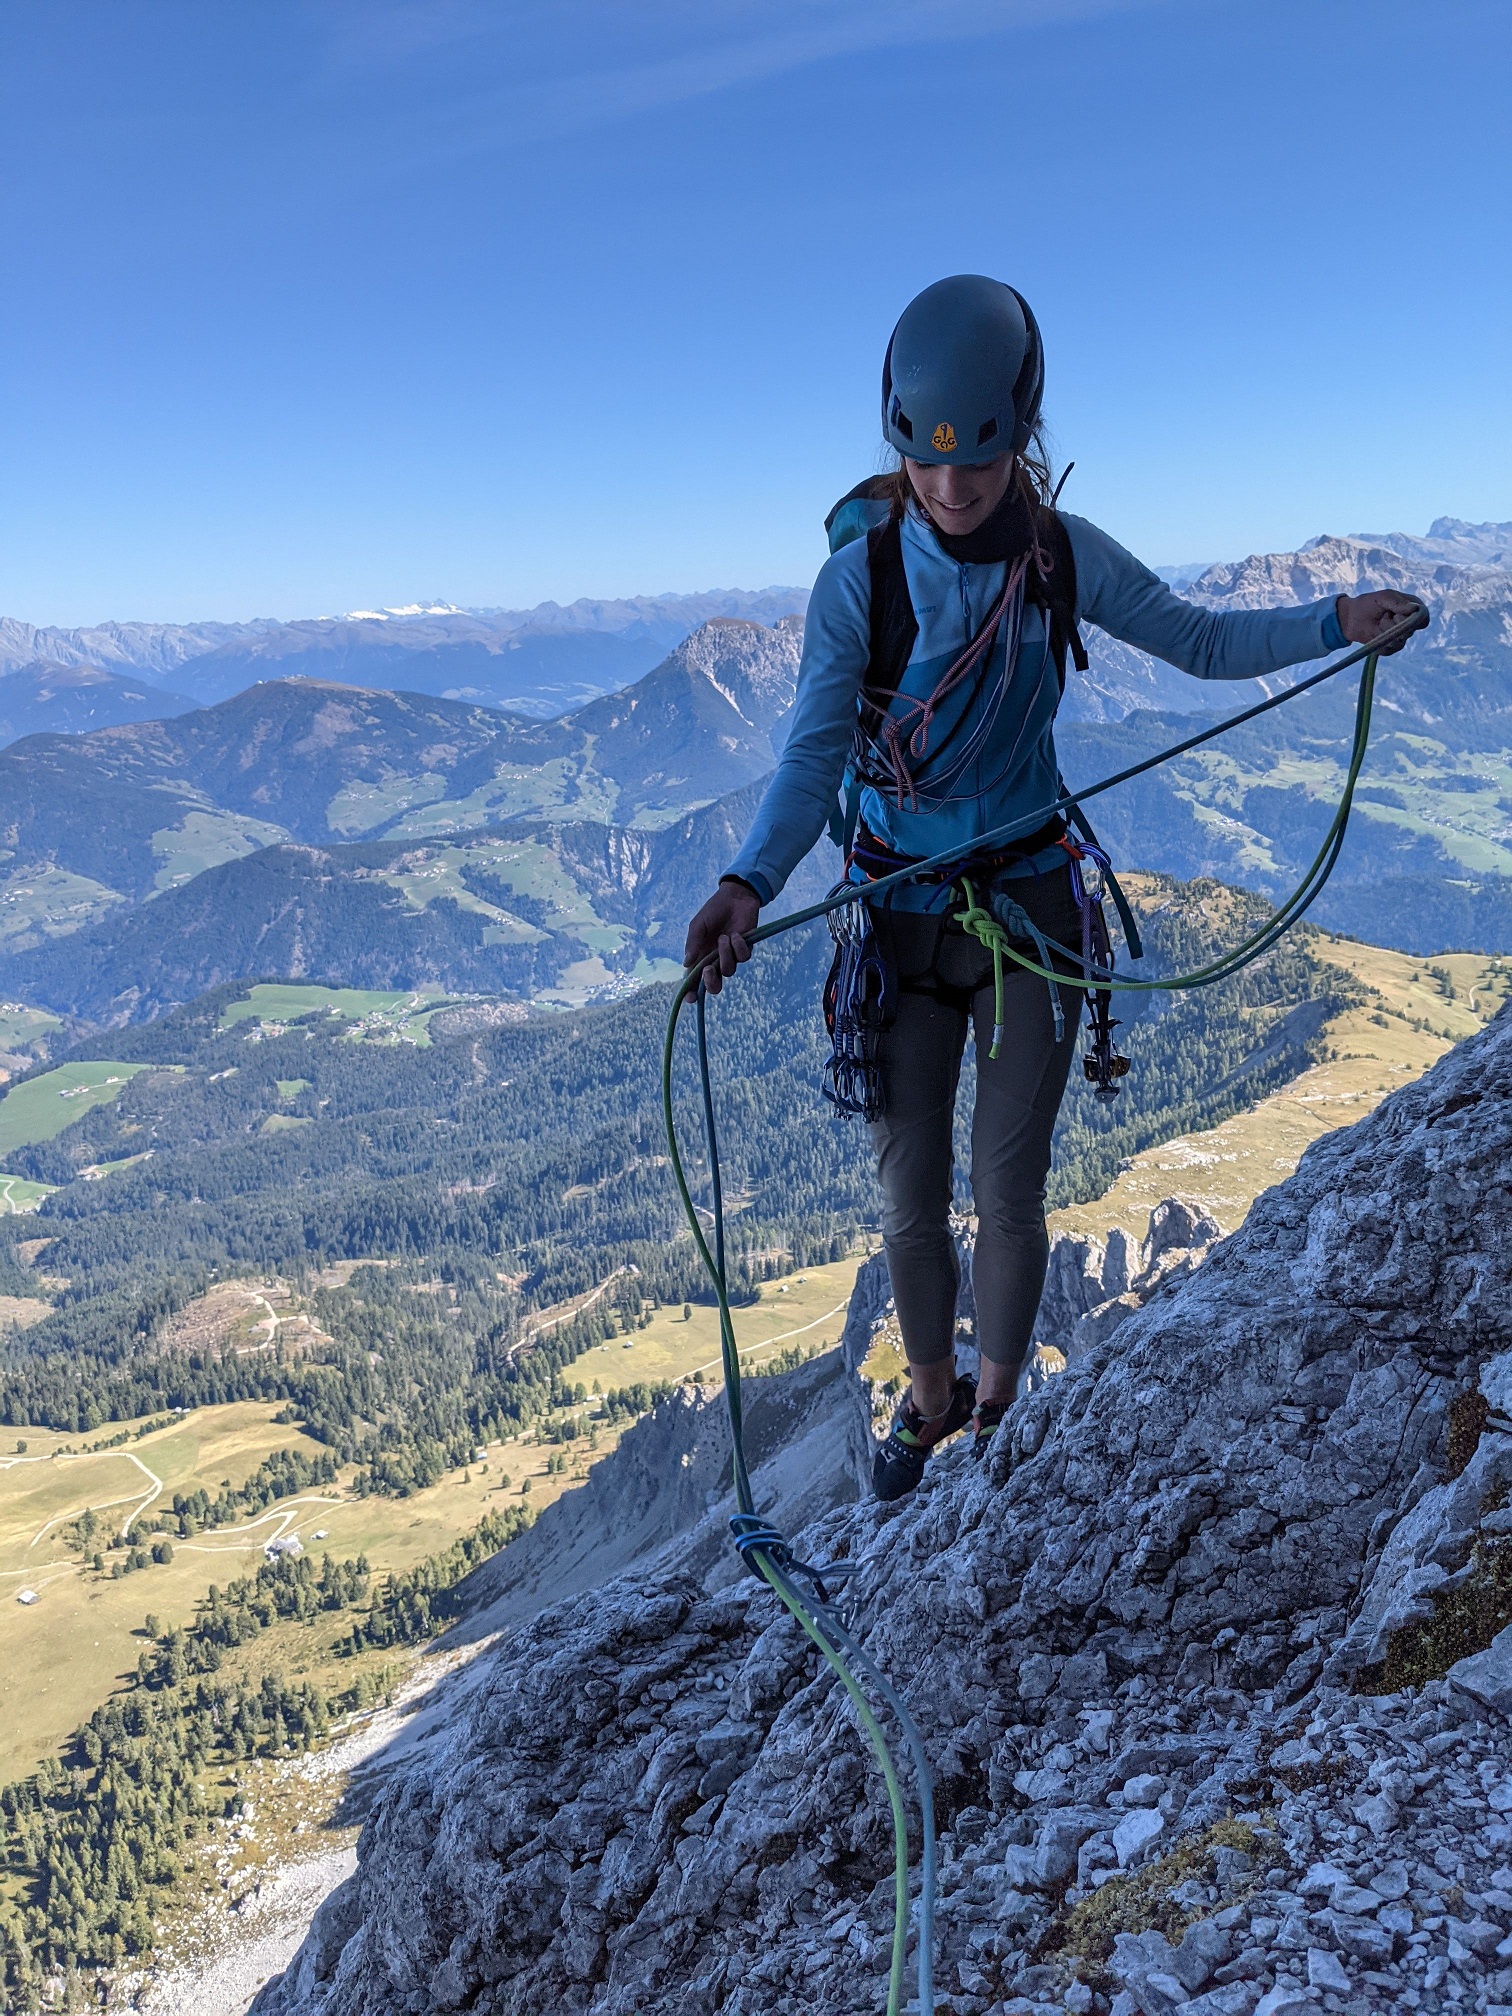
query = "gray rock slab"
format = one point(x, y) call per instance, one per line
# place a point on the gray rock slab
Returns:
point(1204, 1503)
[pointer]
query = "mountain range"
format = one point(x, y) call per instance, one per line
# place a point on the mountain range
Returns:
point(540, 661)
point(313, 760)
point(312, 829)
point(1427, 865)
point(552, 658)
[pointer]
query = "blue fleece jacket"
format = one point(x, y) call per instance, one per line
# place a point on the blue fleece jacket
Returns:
point(1015, 770)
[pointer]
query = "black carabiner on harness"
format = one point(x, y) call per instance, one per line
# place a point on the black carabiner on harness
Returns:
point(1103, 1064)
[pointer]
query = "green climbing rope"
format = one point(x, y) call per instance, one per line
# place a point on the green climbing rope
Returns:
point(990, 932)
point(815, 1622)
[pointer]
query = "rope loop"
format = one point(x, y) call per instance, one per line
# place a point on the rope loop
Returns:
point(754, 1535)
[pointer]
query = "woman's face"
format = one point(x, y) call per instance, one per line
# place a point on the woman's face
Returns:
point(957, 498)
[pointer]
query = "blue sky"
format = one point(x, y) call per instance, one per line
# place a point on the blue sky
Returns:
point(326, 305)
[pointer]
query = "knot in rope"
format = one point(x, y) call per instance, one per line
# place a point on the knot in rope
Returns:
point(993, 928)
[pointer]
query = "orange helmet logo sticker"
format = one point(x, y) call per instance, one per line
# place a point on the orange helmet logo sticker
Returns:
point(943, 438)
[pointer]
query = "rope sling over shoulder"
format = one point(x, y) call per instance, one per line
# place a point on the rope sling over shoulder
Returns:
point(811, 1592)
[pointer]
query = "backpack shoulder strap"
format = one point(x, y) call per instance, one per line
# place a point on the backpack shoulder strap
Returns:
point(868, 511)
point(1055, 593)
point(894, 626)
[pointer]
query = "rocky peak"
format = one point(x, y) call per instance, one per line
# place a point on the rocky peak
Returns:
point(1149, 1641)
point(1454, 539)
point(1327, 566)
point(1090, 1288)
point(754, 667)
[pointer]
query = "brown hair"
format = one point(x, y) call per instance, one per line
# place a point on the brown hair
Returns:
point(1031, 473)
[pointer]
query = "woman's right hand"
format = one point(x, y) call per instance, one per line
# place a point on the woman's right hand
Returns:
point(718, 935)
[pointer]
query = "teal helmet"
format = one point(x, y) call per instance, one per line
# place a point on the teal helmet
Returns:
point(963, 374)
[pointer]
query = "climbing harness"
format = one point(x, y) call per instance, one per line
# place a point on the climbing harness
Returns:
point(804, 1587)
point(859, 995)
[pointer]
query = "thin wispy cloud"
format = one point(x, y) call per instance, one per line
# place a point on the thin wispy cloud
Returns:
point(548, 71)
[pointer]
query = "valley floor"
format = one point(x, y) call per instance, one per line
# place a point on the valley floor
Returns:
point(69, 1650)
point(81, 1637)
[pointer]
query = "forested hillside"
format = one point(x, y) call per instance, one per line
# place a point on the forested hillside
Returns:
point(518, 1164)
point(557, 910)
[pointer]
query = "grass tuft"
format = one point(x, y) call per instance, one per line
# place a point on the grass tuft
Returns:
point(1469, 1412)
point(1464, 1620)
point(1144, 1900)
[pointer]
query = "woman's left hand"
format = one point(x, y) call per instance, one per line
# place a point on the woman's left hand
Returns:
point(1363, 618)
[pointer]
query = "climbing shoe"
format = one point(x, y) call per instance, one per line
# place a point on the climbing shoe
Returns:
point(899, 1463)
point(986, 1417)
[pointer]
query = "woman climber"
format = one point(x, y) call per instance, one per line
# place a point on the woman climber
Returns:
point(933, 663)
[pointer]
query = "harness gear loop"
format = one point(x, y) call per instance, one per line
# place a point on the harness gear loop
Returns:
point(1103, 1065)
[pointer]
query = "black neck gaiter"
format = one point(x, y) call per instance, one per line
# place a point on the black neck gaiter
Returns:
point(1006, 534)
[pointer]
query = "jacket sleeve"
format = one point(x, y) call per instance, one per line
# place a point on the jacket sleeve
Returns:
point(836, 647)
point(1121, 595)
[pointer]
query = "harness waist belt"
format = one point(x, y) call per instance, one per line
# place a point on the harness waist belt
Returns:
point(876, 858)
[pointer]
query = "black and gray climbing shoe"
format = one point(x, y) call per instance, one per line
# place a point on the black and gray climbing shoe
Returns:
point(986, 1418)
point(899, 1463)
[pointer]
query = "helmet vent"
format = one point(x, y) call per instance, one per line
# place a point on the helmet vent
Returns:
point(986, 432)
point(901, 421)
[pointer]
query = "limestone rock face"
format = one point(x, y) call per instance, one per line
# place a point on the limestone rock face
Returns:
point(1112, 1633)
point(1327, 566)
point(665, 1492)
point(1091, 1288)
point(756, 668)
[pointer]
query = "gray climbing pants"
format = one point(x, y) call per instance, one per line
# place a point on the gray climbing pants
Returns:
point(944, 984)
